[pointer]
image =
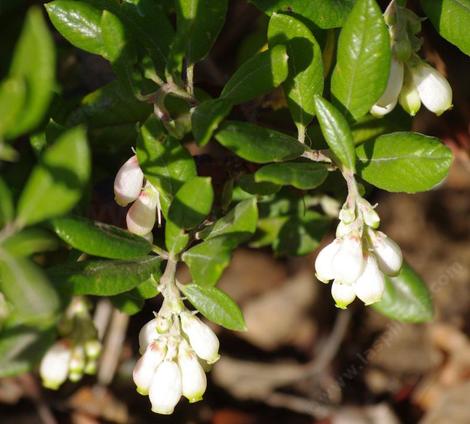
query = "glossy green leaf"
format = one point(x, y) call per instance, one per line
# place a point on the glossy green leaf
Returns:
point(268, 231)
point(302, 175)
point(7, 210)
point(363, 61)
point(27, 290)
point(206, 118)
point(305, 77)
point(337, 134)
point(451, 19)
point(34, 62)
point(165, 162)
point(12, 98)
point(56, 183)
point(105, 278)
point(248, 184)
point(99, 239)
point(404, 162)
point(406, 298)
point(325, 14)
point(258, 144)
point(216, 306)
point(29, 241)
point(257, 76)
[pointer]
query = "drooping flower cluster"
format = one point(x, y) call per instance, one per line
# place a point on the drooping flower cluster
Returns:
point(173, 346)
point(359, 256)
point(76, 353)
point(411, 81)
point(129, 187)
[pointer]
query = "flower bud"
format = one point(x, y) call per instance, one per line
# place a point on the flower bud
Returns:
point(348, 263)
point(369, 287)
point(409, 97)
point(166, 388)
point(141, 215)
point(343, 229)
point(370, 216)
point(387, 253)
point(193, 377)
point(147, 334)
point(343, 294)
point(434, 90)
point(146, 366)
point(77, 360)
point(54, 366)
point(347, 215)
point(202, 339)
point(324, 262)
point(128, 182)
point(90, 367)
point(92, 349)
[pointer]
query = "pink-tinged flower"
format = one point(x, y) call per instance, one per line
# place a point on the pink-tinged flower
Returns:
point(166, 388)
point(128, 182)
point(148, 333)
point(141, 215)
point(370, 286)
point(146, 366)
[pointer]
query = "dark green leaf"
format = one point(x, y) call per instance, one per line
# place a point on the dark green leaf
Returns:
point(129, 302)
point(29, 241)
point(99, 239)
point(248, 184)
point(216, 306)
point(258, 144)
point(206, 118)
point(337, 134)
point(302, 175)
point(404, 162)
point(56, 183)
point(363, 62)
point(406, 298)
point(106, 278)
point(257, 76)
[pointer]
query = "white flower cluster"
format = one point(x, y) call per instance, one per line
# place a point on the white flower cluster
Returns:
point(74, 355)
point(359, 257)
point(173, 346)
point(129, 187)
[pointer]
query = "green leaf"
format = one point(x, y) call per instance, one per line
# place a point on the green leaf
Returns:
point(404, 162)
point(12, 98)
point(129, 302)
point(56, 183)
point(258, 144)
point(302, 175)
point(406, 298)
point(27, 289)
point(337, 134)
point(305, 77)
point(216, 306)
point(257, 76)
point(34, 62)
point(7, 210)
point(248, 184)
point(451, 18)
point(99, 239)
point(79, 23)
point(325, 14)
point(268, 231)
point(363, 62)
point(206, 118)
point(29, 241)
point(105, 278)
point(164, 161)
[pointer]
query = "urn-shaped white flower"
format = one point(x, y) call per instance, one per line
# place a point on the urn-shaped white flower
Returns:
point(147, 334)
point(369, 287)
point(166, 388)
point(342, 293)
point(389, 98)
point(387, 252)
point(54, 366)
point(194, 381)
point(141, 215)
point(434, 90)
point(202, 339)
point(146, 366)
point(348, 262)
point(128, 182)
point(324, 262)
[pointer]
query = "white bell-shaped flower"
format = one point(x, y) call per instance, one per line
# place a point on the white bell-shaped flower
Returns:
point(166, 388)
point(387, 252)
point(147, 334)
point(54, 366)
point(348, 263)
point(146, 366)
point(324, 262)
point(141, 215)
point(343, 294)
point(434, 90)
point(202, 339)
point(128, 182)
point(369, 287)
point(194, 381)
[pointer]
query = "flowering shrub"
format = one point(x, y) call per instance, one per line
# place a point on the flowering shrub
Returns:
point(339, 67)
